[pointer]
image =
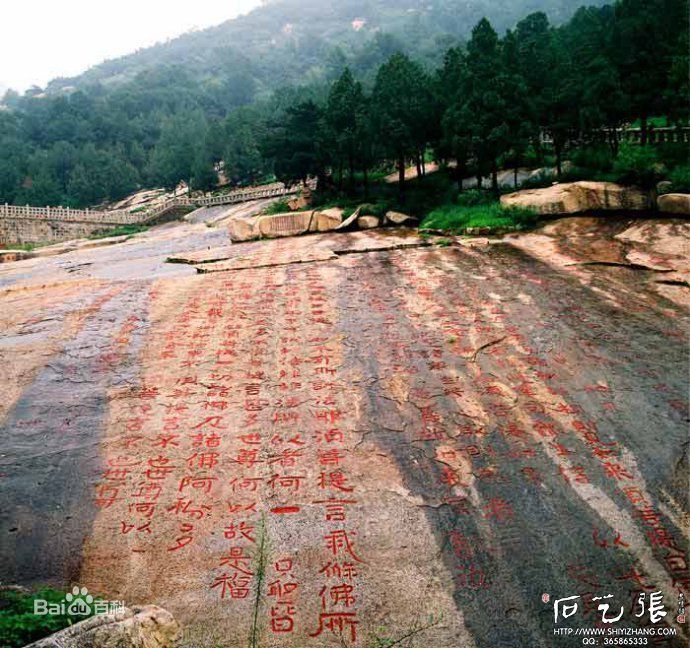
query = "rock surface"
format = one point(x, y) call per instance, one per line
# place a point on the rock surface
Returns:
point(141, 627)
point(405, 441)
point(674, 203)
point(579, 197)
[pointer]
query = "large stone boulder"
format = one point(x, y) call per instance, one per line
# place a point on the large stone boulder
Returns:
point(327, 220)
point(139, 627)
point(289, 224)
point(242, 229)
point(398, 218)
point(368, 222)
point(674, 203)
point(578, 197)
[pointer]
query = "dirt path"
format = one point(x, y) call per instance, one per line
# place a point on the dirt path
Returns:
point(391, 445)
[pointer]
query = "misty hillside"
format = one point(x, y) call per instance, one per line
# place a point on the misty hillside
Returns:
point(238, 92)
point(288, 41)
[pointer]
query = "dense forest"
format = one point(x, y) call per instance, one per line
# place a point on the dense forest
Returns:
point(352, 100)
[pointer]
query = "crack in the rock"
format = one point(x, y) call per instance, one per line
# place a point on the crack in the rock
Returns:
point(620, 264)
point(486, 346)
point(673, 282)
point(272, 264)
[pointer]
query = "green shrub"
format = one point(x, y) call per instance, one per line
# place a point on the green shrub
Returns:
point(474, 197)
point(680, 179)
point(594, 158)
point(374, 209)
point(456, 218)
point(121, 230)
point(539, 181)
point(638, 165)
point(277, 207)
point(532, 158)
point(673, 154)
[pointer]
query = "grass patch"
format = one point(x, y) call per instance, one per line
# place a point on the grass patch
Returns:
point(374, 209)
point(680, 180)
point(26, 247)
point(457, 218)
point(18, 623)
point(277, 207)
point(122, 230)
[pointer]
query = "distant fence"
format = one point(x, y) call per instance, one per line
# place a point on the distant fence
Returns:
point(124, 217)
point(631, 135)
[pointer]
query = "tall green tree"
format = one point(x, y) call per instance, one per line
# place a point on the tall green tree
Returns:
point(455, 142)
point(295, 144)
point(532, 59)
point(401, 104)
point(521, 121)
point(244, 132)
point(486, 101)
point(602, 102)
point(178, 149)
point(345, 116)
point(647, 36)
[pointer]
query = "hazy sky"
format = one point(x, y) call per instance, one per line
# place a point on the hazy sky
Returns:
point(43, 39)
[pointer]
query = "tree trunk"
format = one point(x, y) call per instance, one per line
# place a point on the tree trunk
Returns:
point(536, 143)
point(352, 173)
point(515, 175)
point(458, 174)
point(423, 163)
point(401, 178)
point(558, 149)
point(613, 141)
point(419, 166)
point(494, 177)
point(644, 128)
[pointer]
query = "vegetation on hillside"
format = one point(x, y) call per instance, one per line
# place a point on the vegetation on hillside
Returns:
point(293, 42)
point(490, 102)
point(369, 107)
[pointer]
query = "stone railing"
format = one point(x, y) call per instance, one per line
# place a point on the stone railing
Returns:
point(25, 224)
point(67, 215)
point(631, 135)
point(656, 135)
point(124, 217)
